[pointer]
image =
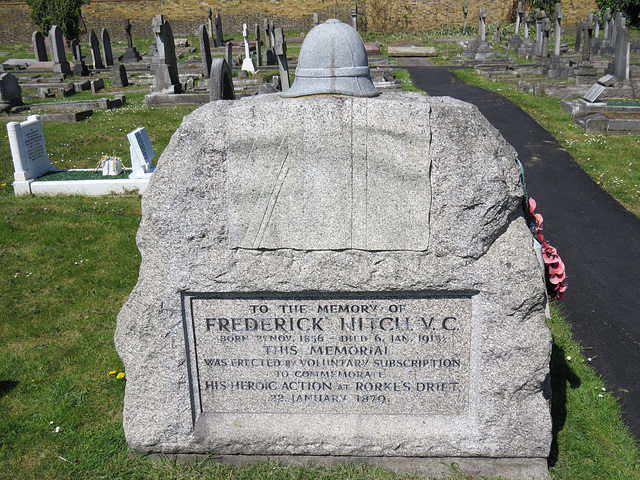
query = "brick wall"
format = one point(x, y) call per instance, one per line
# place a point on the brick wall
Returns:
point(186, 15)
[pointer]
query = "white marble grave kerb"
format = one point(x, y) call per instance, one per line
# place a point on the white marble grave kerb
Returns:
point(356, 354)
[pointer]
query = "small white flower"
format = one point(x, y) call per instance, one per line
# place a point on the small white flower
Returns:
point(51, 422)
point(589, 359)
point(568, 357)
point(600, 395)
point(604, 389)
point(56, 430)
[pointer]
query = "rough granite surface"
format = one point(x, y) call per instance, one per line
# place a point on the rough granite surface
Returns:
point(399, 193)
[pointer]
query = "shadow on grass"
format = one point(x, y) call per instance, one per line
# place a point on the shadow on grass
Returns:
point(6, 386)
point(561, 375)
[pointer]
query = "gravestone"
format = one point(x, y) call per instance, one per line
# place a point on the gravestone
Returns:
point(39, 48)
point(106, 48)
point(258, 46)
point(58, 55)
point(221, 81)
point(558, 29)
point(94, 46)
point(289, 308)
point(497, 38)
point(247, 62)
point(166, 78)
point(10, 92)
point(141, 153)
point(354, 16)
point(594, 93)
point(483, 49)
point(210, 29)
point(539, 18)
point(465, 13)
point(516, 41)
point(316, 21)
point(527, 44)
point(28, 151)
point(268, 39)
point(119, 77)
point(619, 66)
point(80, 67)
point(205, 50)
point(229, 54)
point(131, 55)
point(219, 34)
point(280, 49)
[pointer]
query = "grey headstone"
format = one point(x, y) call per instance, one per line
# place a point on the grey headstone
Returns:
point(221, 81)
point(106, 48)
point(579, 32)
point(280, 49)
point(219, 34)
point(205, 50)
point(166, 81)
point(589, 25)
point(97, 85)
point(316, 22)
point(58, 55)
point(131, 54)
point(10, 92)
point(39, 48)
point(229, 54)
point(558, 29)
point(258, 46)
point(594, 93)
point(80, 67)
point(519, 12)
point(621, 55)
point(210, 28)
point(607, 80)
point(268, 235)
point(94, 45)
point(119, 77)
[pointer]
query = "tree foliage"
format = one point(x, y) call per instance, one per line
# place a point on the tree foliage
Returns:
point(64, 13)
point(629, 8)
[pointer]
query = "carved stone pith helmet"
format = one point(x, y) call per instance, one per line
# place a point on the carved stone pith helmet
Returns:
point(332, 60)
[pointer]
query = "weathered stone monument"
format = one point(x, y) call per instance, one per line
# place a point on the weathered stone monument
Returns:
point(205, 50)
point(107, 52)
point(39, 48)
point(58, 55)
point(247, 63)
point(131, 55)
point(515, 41)
point(219, 34)
point(166, 79)
point(94, 46)
point(10, 92)
point(483, 49)
point(558, 67)
point(221, 81)
point(338, 277)
point(79, 66)
point(119, 78)
point(280, 50)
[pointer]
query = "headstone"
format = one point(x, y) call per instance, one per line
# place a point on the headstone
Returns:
point(497, 38)
point(268, 38)
point(465, 13)
point(39, 48)
point(80, 67)
point(558, 29)
point(58, 55)
point(579, 33)
point(289, 308)
point(131, 55)
point(519, 12)
point(280, 49)
point(221, 81)
point(258, 46)
point(621, 55)
point(589, 24)
point(28, 150)
point(210, 29)
point(97, 85)
point(141, 153)
point(540, 16)
point(354, 16)
point(543, 50)
point(316, 21)
point(94, 45)
point(483, 49)
point(598, 18)
point(515, 41)
point(106, 48)
point(594, 92)
point(219, 35)
point(166, 78)
point(247, 62)
point(205, 50)
point(10, 92)
point(229, 54)
point(119, 77)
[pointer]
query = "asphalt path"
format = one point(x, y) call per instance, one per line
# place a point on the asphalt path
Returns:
point(598, 239)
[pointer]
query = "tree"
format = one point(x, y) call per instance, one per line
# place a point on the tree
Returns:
point(64, 13)
point(629, 8)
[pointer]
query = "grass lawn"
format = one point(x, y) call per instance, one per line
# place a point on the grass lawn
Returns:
point(69, 263)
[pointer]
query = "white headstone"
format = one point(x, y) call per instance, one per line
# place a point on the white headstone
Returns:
point(594, 92)
point(141, 153)
point(28, 150)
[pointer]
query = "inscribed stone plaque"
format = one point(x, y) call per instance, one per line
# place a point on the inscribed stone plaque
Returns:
point(355, 354)
point(594, 92)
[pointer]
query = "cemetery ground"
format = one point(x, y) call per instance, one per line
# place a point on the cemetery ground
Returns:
point(69, 263)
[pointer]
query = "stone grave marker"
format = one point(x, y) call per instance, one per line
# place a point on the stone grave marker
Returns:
point(268, 39)
point(166, 79)
point(58, 55)
point(210, 28)
point(558, 29)
point(119, 77)
point(289, 308)
point(221, 81)
point(258, 46)
point(28, 151)
point(579, 32)
point(10, 92)
point(205, 49)
point(131, 55)
point(354, 16)
point(497, 38)
point(106, 48)
point(594, 93)
point(247, 62)
point(94, 46)
point(280, 49)
point(219, 34)
point(80, 67)
point(622, 51)
point(39, 47)
point(515, 41)
point(316, 21)
point(483, 49)
point(229, 54)
point(141, 153)
point(465, 13)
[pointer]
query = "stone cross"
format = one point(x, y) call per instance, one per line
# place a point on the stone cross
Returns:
point(465, 12)
point(607, 25)
point(258, 46)
point(212, 40)
point(527, 20)
point(80, 68)
point(619, 22)
point(39, 48)
point(166, 78)
point(558, 28)
point(131, 55)
point(60, 64)
point(596, 34)
point(94, 44)
point(127, 29)
point(543, 52)
point(482, 23)
point(280, 47)
point(106, 48)
point(589, 25)
point(518, 17)
point(497, 37)
point(247, 63)
point(540, 15)
point(205, 50)
point(219, 35)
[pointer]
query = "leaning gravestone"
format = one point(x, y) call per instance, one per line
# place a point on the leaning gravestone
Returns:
point(205, 49)
point(94, 46)
point(119, 78)
point(39, 48)
point(141, 153)
point(336, 277)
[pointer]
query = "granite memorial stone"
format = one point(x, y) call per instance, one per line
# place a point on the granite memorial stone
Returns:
point(80, 67)
point(10, 92)
point(221, 81)
point(39, 48)
point(58, 55)
point(119, 77)
point(94, 46)
point(131, 54)
point(205, 50)
point(290, 307)
point(107, 52)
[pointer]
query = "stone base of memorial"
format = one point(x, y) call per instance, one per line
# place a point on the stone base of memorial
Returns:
point(329, 279)
point(93, 187)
